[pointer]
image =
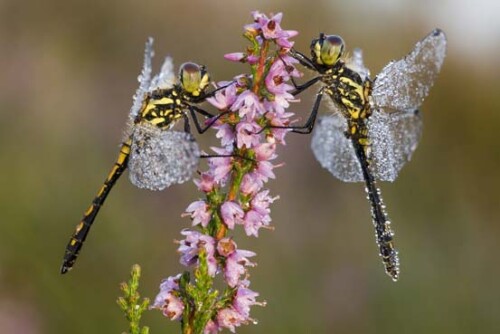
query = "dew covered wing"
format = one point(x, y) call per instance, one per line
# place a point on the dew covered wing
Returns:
point(333, 150)
point(393, 138)
point(402, 85)
point(163, 80)
point(160, 158)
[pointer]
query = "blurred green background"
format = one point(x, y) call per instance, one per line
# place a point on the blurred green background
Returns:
point(68, 73)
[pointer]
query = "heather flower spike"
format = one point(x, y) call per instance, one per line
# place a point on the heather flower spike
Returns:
point(233, 190)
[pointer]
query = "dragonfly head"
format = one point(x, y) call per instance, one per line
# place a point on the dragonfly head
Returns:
point(327, 49)
point(193, 78)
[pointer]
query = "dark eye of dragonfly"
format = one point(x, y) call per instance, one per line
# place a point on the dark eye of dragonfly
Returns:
point(193, 78)
point(327, 49)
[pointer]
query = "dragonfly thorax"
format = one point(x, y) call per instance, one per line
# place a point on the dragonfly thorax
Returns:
point(163, 108)
point(349, 91)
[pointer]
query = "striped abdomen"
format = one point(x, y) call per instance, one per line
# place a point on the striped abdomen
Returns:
point(83, 228)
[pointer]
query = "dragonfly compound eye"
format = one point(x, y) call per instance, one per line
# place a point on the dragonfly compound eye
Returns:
point(327, 49)
point(193, 78)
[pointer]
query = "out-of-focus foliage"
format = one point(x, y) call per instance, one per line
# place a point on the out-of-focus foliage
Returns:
point(68, 73)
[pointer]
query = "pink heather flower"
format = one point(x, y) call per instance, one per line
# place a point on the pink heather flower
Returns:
point(261, 202)
point(173, 307)
point(224, 97)
point(271, 29)
point(247, 103)
point(189, 249)
point(276, 78)
point(226, 247)
point(253, 59)
point(235, 56)
point(231, 213)
point(285, 68)
point(166, 286)
point(247, 134)
point(220, 166)
point(199, 213)
point(166, 301)
point(264, 171)
point(225, 133)
point(205, 183)
point(236, 260)
point(249, 185)
point(236, 263)
point(252, 223)
point(230, 319)
point(244, 299)
point(277, 105)
point(278, 119)
point(265, 151)
point(211, 328)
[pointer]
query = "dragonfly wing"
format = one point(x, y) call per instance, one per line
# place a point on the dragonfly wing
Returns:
point(394, 137)
point(356, 64)
point(402, 85)
point(333, 150)
point(160, 158)
point(144, 80)
point(166, 78)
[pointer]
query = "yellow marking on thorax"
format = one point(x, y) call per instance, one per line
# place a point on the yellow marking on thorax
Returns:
point(148, 108)
point(163, 100)
point(359, 89)
point(156, 121)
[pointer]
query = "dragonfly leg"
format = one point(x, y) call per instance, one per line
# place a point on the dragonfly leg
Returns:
point(309, 125)
point(200, 128)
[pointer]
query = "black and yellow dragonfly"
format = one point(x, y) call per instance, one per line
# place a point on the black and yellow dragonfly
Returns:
point(155, 155)
point(375, 125)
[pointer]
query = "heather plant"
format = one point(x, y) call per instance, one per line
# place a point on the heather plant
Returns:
point(215, 293)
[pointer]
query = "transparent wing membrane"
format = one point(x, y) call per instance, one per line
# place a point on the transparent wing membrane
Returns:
point(333, 150)
point(160, 158)
point(166, 78)
point(394, 138)
point(356, 63)
point(402, 85)
point(144, 80)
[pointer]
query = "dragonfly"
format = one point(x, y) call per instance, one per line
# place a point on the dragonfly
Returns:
point(375, 125)
point(156, 155)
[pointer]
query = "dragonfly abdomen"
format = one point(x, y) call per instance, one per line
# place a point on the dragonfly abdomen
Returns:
point(383, 232)
point(83, 228)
